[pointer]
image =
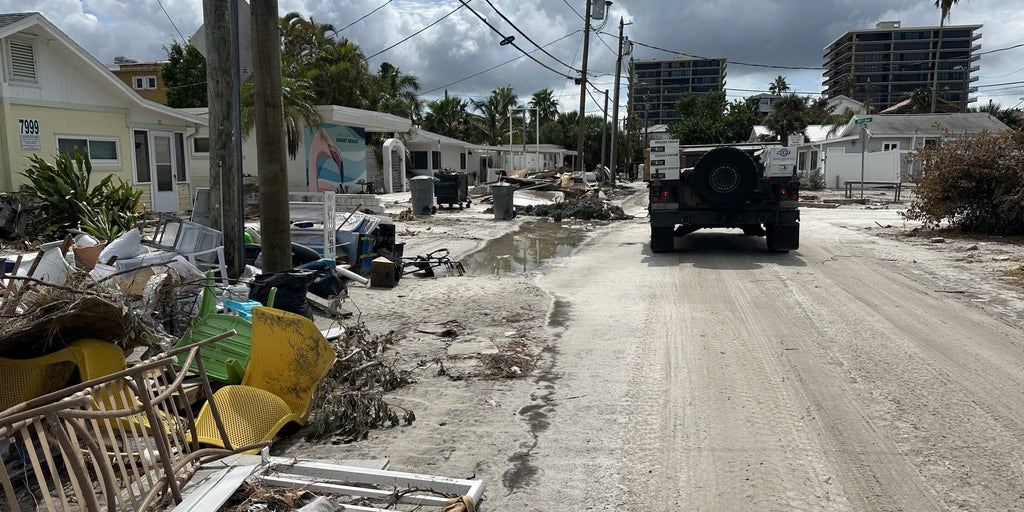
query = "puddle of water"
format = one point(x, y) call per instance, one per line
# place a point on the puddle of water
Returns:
point(526, 249)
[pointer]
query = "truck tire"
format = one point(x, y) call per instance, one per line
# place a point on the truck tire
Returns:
point(724, 177)
point(662, 239)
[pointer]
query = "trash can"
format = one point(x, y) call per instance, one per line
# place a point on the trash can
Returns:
point(422, 188)
point(501, 198)
point(452, 189)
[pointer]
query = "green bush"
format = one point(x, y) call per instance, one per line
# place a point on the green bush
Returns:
point(975, 182)
point(813, 179)
point(66, 203)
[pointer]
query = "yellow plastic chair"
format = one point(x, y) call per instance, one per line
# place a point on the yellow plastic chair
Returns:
point(24, 379)
point(289, 359)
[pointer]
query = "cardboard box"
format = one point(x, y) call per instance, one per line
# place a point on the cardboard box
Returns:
point(382, 273)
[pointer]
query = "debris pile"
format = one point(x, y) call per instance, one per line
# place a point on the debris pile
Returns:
point(585, 207)
point(350, 400)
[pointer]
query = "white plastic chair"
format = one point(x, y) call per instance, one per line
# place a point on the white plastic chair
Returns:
point(202, 246)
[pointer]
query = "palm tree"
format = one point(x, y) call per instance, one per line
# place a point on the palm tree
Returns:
point(944, 6)
point(546, 105)
point(397, 92)
point(1009, 117)
point(778, 86)
point(299, 106)
point(495, 112)
point(449, 117)
point(333, 67)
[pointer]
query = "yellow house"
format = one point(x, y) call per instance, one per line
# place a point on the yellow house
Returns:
point(54, 96)
point(143, 77)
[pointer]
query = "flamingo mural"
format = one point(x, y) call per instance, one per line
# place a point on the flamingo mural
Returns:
point(336, 157)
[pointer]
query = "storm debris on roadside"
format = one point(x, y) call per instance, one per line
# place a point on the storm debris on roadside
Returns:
point(349, 402)
point(585, 207)
point(512, 361)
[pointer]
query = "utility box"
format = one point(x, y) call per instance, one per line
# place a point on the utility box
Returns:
point(383, 273)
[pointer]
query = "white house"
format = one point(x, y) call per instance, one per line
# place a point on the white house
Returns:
point(890, 138)
point(54, 96)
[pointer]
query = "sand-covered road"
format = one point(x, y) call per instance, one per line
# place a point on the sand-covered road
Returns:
point(860, 373)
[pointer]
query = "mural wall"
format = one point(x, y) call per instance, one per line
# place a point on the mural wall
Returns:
point(335, 158)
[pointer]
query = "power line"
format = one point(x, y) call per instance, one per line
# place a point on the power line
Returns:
point(539, 47)
point(739, 63)
point(363, 17)
point(1000, 49)
point(161, 4)
point(514, 45)
point(492, 68)
point(574, 11)
point(418, 32)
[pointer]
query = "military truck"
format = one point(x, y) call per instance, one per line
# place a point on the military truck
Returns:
point(754, 188)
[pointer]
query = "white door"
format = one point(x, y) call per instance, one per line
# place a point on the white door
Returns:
point(165, 180)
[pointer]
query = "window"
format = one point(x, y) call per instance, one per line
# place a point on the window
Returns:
point(462, 161)
point(142, 172)
point(144, 82)
point(419, 159)
point(101, 151)
point(200, 145)
point(891, 146)
point(435, 158)
point(179, 157)
point(21, 61)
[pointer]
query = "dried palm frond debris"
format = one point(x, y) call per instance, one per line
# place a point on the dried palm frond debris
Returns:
point(350, 402)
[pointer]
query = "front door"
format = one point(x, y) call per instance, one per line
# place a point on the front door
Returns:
point(165, 180)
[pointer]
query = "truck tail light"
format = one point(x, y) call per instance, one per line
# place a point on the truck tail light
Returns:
point(783, 192)
point(664, 194)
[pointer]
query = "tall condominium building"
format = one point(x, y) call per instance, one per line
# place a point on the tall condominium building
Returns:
point(885, 65)
point(655, 85)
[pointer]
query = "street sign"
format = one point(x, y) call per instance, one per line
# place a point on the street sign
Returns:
point(863, 121)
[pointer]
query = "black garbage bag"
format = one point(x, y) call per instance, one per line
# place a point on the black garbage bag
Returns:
point(291, 285)
point(328, 284)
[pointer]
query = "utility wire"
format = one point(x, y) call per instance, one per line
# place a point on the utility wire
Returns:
point(418, 32)
point(363, 17)
point(161, 4)
point(539, 47)
point(574, 11)
point(513, 44)
point(1000, 49)
point(492, 68)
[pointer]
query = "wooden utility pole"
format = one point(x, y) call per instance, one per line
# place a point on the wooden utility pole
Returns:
point(222, 91)
point(615, 103)
point(270, 140)
point(583, 88)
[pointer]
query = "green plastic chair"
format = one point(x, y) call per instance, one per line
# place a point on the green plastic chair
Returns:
point(224, 361)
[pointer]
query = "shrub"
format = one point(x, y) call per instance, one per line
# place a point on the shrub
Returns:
point(973, 181)
point(813, 179)
point(66, 203)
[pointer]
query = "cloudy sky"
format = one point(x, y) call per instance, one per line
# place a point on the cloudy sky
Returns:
point(459, 52)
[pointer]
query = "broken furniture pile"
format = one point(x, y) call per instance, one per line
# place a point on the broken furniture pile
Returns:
point(129, 440)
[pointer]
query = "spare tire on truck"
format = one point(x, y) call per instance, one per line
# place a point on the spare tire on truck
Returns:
point(724, 177)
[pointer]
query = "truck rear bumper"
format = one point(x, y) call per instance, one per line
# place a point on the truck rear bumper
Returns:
point(696, 218)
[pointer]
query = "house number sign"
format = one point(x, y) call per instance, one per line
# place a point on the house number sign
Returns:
point(28, 129)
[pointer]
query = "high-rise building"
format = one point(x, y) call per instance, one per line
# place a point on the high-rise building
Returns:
point(885, 65)
point(655, 85)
